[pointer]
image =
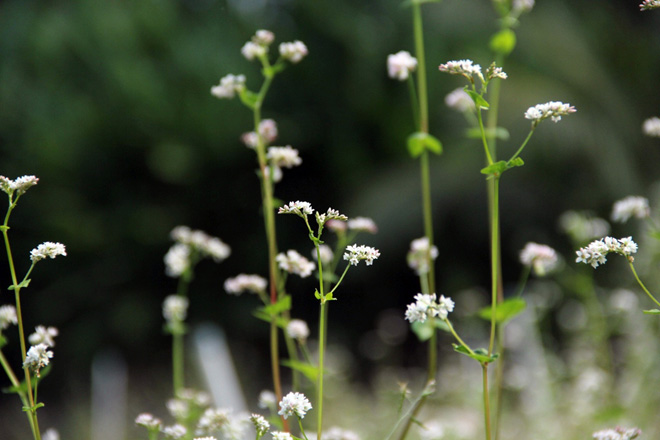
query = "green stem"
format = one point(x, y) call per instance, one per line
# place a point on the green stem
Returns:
point(177, 362)
point(499, 380)
point(413, 100)
point(319, 397)
point(495, 245)
point(428, 215)
point(458, 338)
point(489, 158)
point(421, 68)
point(16, 384)
point(302, 430)
point(433, 357)
point(529, 136)
point(642, 284)
point(486, 401)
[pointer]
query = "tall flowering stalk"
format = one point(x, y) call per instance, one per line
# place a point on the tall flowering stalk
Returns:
point(39, 355)
point(354, 254)
point(271, 161)
point(477, 88)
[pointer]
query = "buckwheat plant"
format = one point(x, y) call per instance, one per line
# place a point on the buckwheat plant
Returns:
point(353, 254)
point(38, 356)
point(270, 159)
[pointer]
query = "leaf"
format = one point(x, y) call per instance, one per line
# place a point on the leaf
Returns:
point(423, 330)
point(248, 98)
point(495, 169)
point(479, 100)
point(260, 314)
point(22, 285)
point(409, 3)
point(652, 312)
point(517, 162)
point(503, 42)
point(282, 305)
point(480, 354)
point(329, 297)
point(505, 311)
point(419, 142)
point(309, 371)
point(500, 133)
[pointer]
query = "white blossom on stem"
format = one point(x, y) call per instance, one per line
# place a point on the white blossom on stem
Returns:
point(294, 51)
point(267, 399)
point(595, 254)
point(175, 308)
point(354, 254)
point(651, 127)
point(631, 206)
point(174, 432)
point(251, 50)
point(7, 316)
point(330, 214)
point(148, 421)
point(278, 435)
point(19, 186)
point(228, 87)
point(293, 262)
point(177, 260)
point(400, 65)
point(298, 208)
point(297, 329)
point(43, 335)
point(460, 101)
point(245, 283)
point(426, 306)
point(520, 6)
point(37, 357)
point(362, 224)
point(541, 258)
point(421, 255)
point(647, 5)
point(326, 254)
point(553, 110)
point(261, 425)
point(294, 404)
point(286, 157)
point(46, 250)
point(617, 433)
point(465, 68)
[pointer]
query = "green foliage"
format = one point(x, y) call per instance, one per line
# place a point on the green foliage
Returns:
point(503, 42)
point(506, 310)
point(309, 371)
point(419, 142)
point(479, 354)
point(424, 330)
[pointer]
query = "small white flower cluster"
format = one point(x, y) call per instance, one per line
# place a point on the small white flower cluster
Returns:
point(522, 5)
point(282, 157)
point(294, 404)
point(331, 214)
point(541, 258)
point(174, 432)
point(553, 110)
point(205, 438)
point(261, 425)
point(354, 254)
point(617, 433)
point(460, 101)
point(400, 65)
point(420, 255)
point(297, 329)
point(336, 433)
point(37, 357)
point(426, 306)
point(326, 254)
point(362, 224)
point(212, 420)
point(267, 131)
point(267, 399)
point(229, 86)
point(582, 227)
point(495, 72)
point(50, 434)
point(245, 283)
point(175, 308)
point(631, 206)
point(649, 4)
point(7, 316)
point(257, 47)
point(279, 435)
point(47, 249)
point(191, 245)
point(293, 262)
point(148, 421)
point(299, 208)
point(294, 51)
point(466, 68)
point(596, 252)
point(651, 126)
point(18, 186)
point(43, 335)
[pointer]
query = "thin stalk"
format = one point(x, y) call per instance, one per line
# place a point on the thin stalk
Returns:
point(495, 244)
point(433, 356)
point(177, 362)
point(302, 430)
point(428, 214)
point(499, 380)
point(529, 136)
point(319, 392)
point(486, 401)
point(16, 384)
point(642, 284)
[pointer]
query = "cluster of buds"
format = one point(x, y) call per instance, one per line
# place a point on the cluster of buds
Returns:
point(190, 246)
point(595, 254)
point(553, 110)
point(427, 306)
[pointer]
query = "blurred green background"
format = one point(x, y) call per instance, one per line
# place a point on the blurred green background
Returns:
point(108, 104)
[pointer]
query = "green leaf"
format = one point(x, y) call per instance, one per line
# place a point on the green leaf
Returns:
point(4, 228)
point(503, 42)
point(479, 100)
point(500, 133)
point(260, 314)
point(22, 285)
point(652, 312)
point(248, 98)
point(329, 297)
point(495, 169)
point(419, 142)
point(309, 371)
point(517, 162)
point(282, 305)
point(317, 294)
point(409, 3)
point(506, 310)
point(423, 330)
point(479, 354)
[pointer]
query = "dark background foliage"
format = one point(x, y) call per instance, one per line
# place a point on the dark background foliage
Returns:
point(108, 104)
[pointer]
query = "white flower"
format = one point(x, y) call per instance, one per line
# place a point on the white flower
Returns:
point(294, 52)
point(283, 156)
point(7, 316)
point(495, 72)
point(20, 185)
point(459, 100)
point(595, 254)
point(38, 356)
point(631, 206)
point(263, 37)
point(148, 421)
point(235, 427)
point(267, 399)
point(267, 130)
point(326, 254)
point(243, 282)
point(426, 306)
point(293, 262)
point(465, 68)
point(420, 255)
point(362, 224)
point(175, 308)
point(178, 408)
point(297, 329)
point(617, 433)
point(400, 65)
point(205, 438)
point(541, 258)
point(212, 420)
point(229, 86)
point(522, 5)
point(336, 226)
point(582, 226)
point(261, 425)
point(277, 435)
point(252, 50)
point(336, 433)
point(651, 127)
point(177, 260)
point(47, 249)
point(174, 432)
point(331, 214)
point(299, 208)
point(649, 4)
point(354, 254)
point(553, 110)
point(50, 434)
point(43, 335)
point(294, 404)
